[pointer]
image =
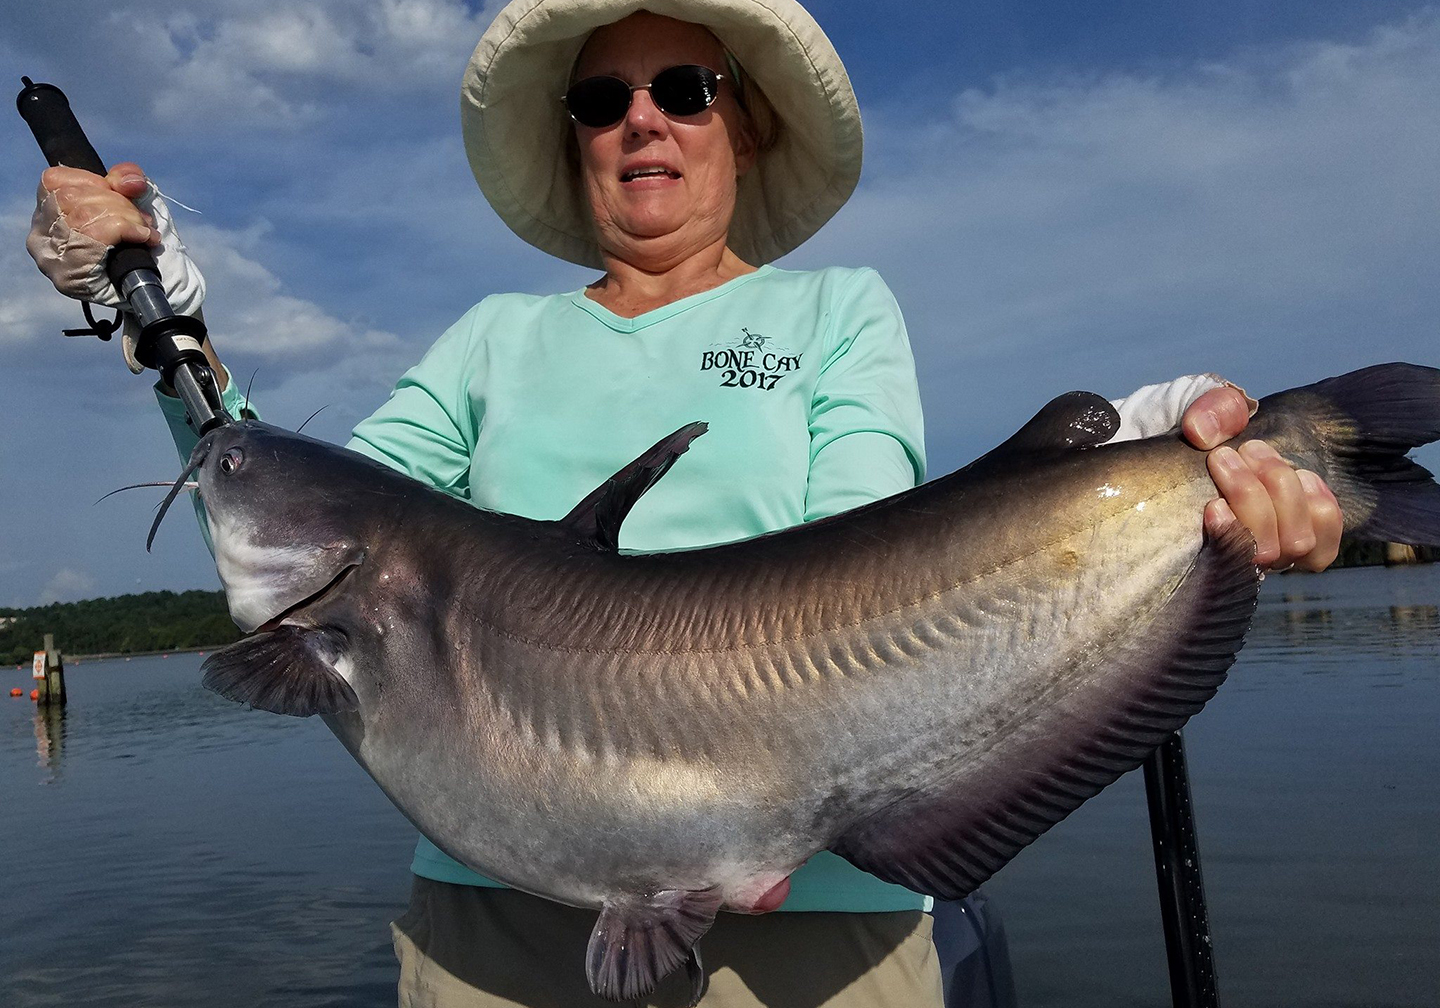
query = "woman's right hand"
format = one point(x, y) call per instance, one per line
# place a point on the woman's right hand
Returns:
point(79, 217)
point(101, 207)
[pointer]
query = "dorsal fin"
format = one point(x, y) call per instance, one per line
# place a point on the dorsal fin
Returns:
point(1073, 420)
point(598, 517)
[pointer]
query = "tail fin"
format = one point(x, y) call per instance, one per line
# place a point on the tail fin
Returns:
point(1355, 431)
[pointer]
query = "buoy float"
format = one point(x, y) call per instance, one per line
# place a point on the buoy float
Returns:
point(17, 691)
point(34, 694)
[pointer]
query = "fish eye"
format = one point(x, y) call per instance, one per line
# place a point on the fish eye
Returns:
point(230, 461)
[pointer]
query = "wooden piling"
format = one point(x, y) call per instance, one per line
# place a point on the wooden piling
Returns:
point(52, 683)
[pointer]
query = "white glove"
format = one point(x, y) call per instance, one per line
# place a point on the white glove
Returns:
point(1156, 409)
point(75, 262)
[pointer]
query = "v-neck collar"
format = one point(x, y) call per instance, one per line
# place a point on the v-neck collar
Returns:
point(629, 325)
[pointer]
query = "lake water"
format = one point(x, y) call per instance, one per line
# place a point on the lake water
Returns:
point(166, 848)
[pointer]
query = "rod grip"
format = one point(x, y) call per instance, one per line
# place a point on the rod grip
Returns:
point(46, 111)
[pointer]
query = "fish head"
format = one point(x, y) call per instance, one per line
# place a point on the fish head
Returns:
point(289, 517)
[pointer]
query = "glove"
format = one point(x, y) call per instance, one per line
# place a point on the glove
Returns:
point(75, 263)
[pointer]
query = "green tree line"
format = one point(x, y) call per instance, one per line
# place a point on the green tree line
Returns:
point(150, 621)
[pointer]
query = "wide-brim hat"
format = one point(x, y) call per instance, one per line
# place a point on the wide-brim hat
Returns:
point(516, 127)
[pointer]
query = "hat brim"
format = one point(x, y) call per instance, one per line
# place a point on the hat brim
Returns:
point(515, 127)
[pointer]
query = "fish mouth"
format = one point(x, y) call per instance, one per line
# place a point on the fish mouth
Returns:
point(329, 588)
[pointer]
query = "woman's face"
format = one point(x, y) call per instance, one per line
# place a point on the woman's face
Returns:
point(656, 220)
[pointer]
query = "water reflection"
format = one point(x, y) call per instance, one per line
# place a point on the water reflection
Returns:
point(1341, 627)
point(49, 737)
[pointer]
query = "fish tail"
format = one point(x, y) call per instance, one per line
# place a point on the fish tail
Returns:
point(1355, 431)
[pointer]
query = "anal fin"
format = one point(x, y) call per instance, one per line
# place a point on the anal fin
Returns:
point(288, 670)
point(950, 836)
point(639, 941)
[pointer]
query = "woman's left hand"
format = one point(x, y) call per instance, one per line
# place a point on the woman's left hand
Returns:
point(1292, 514)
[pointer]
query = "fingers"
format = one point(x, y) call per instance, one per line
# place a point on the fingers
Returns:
point(1293, 516)
point(1218, 516)
point(1249, 500)
point(128, 179)
point(1325, 518)
point(1215, 417)
point(101, 207)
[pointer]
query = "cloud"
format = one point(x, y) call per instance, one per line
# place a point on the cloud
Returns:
point(28, 303)
point(1271, 215)
point(66, 585)
point(1274, 217)
point(269, 63)
point(250, 309)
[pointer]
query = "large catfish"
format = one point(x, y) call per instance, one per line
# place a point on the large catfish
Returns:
point(923, 685)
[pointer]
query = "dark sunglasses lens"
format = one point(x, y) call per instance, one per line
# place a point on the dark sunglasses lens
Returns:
point(685, 90)
point(598, 101)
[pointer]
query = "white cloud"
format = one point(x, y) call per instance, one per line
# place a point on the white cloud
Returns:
point(248, 307)
point(66, 585)
point(272, 62)
point(1275, 216)
point(29, 306)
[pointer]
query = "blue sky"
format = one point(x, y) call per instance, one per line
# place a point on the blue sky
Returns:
point(1061, 195)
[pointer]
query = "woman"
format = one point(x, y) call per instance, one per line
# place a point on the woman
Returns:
point(688, 152)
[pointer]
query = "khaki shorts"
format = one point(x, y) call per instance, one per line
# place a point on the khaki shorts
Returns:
point(472, 947)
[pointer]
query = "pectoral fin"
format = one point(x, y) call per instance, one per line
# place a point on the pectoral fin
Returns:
point(598, 517)
point(288, 670)
point(638, 942)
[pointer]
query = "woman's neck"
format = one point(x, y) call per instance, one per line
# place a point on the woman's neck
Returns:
point(630, 288)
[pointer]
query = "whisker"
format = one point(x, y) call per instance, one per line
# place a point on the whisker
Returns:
point(312, 416)
point(250, 385)
point(196, 458)
point(137, 486)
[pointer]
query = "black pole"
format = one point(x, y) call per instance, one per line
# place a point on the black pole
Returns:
point(1177, 870)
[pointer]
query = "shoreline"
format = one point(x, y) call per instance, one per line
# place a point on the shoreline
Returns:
point(105, 655)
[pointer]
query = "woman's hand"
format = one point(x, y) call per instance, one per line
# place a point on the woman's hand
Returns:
point(1292, 514)
point(81, 216)
point(100, 207)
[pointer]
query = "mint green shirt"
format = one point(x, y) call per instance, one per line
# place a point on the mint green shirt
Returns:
point(528, 403)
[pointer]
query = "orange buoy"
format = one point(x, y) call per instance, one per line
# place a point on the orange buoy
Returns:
point(17, 691)
point(34, 694)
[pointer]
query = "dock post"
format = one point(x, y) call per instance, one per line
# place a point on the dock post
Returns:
point(50, 673)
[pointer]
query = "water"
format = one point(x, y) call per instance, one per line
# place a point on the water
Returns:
point(166, 848)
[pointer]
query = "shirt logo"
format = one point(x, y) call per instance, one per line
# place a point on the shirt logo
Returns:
point(752, 360)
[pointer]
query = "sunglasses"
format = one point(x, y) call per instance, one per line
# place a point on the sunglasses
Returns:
point(684, 90)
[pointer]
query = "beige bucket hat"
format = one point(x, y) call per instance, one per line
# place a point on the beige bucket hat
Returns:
point(516, 129)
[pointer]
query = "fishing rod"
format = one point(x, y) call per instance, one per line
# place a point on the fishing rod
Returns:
point(168, 342)
point(1188, 947)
